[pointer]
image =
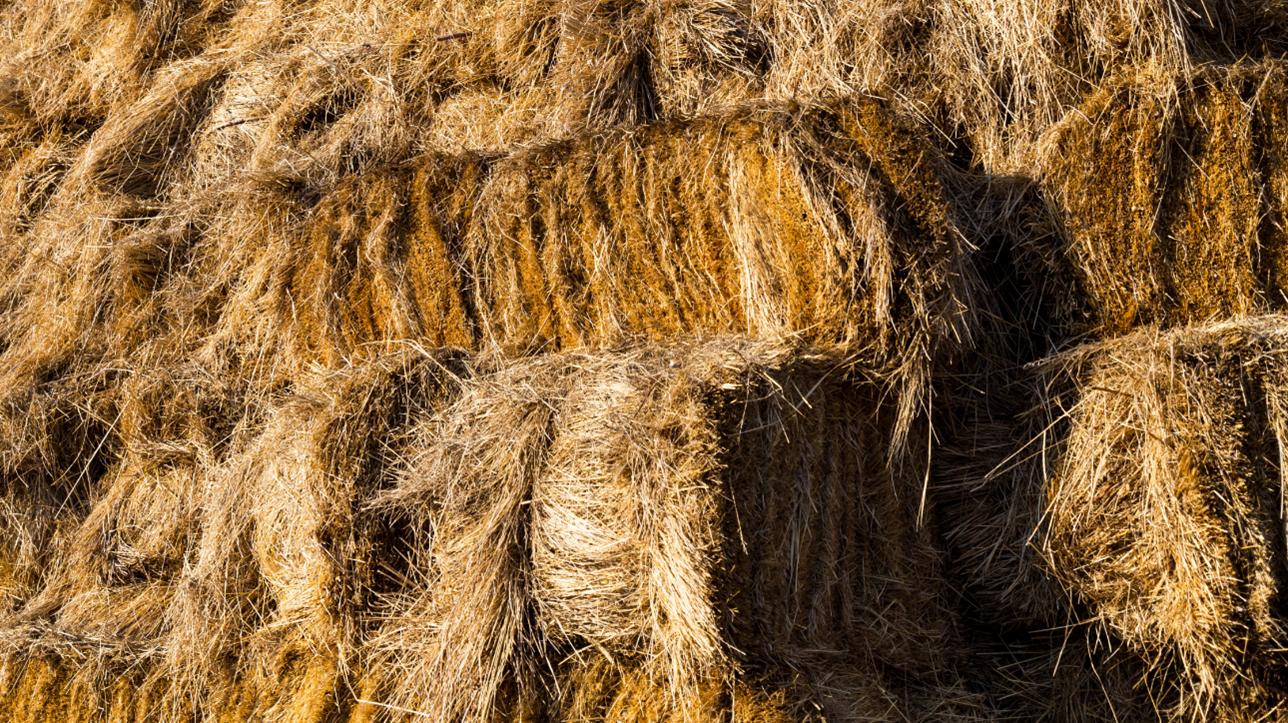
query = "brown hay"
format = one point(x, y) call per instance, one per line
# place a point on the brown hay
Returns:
point(601, 238)
point(224, 224)
point(1165, 508)
point(1168, 195)
point(270, 602)
point(135, 151)
point(66, 63)
point(994, 76)
point(693, 510)
point(345, 84)
point(693, 200)
point(989, 486)
point(225, 567)
point(1066, 676)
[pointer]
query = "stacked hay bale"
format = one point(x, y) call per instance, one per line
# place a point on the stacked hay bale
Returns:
point(1169, 479)
point(1169, 199)
point(1142, 466)
point(592, 360)
point(267, 326)
point(667, 533)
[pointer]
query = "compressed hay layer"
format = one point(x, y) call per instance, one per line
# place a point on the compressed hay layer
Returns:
point(696, 511)
point(829, 224)
point(996, 74)
point(1165, 507)
point(327, 87)
point(1169, 194)
point(223, 568)
point(659, 533)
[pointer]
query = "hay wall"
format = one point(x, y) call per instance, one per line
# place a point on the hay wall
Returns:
point(238, 239)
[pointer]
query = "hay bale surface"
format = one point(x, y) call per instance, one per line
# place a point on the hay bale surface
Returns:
point(1168, 192)
point(691, 515)
point(1165, 508)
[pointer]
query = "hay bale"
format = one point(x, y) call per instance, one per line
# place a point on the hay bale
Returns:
point(832, 224)
point(228, 603)
point(1168, 194)
point(699, 511)
point(1165, 507)
point(269, 611)
point(667, 230)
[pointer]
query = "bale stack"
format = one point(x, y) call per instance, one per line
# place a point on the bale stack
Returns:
point(267, 290)
point(1132, 469)
point(638, 360)
point(1140, 467)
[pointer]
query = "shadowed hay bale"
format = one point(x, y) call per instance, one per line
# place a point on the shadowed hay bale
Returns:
point(1171, 195)
point(988, 469)
point(1166, 508)
point(1068, 675)
point(686, 515)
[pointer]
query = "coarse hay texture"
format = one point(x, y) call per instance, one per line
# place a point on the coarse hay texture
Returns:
point(989, 487)
point(592, 360)
point(219, 562)
point(673, 532)
point(1168, 194)
point(1070, 674)
point(335, 86)
point(1165, 507)
point(693, 511)
point(831, 224)
point(268, 618)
